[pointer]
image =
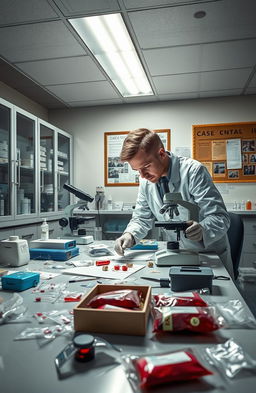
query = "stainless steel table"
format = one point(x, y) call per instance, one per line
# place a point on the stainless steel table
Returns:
point(26, 367)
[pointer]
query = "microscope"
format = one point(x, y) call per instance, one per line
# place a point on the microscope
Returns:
point(173, 255)
point(75, 221)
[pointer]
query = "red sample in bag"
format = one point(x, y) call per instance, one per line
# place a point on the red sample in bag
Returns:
point(179, 300)
point(127, 298)
point(174, 366)
point(174, 319)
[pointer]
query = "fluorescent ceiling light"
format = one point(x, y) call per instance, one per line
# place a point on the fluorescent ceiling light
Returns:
point(108, 39)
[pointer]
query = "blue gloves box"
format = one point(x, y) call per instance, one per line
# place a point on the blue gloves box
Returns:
point(145, 244)
point(20, 281)
point(54, 254)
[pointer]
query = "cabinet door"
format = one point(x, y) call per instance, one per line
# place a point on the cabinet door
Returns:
point(25, 163)
point(47, 160)
point(5, 175)
point(63, 169)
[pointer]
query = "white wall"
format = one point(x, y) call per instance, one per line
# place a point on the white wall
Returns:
point(16, 98)
point(89, 124)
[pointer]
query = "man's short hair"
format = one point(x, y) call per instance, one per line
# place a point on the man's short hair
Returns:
point(140, 139)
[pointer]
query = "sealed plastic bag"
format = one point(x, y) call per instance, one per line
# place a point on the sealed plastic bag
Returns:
point(127, 298)
point(151, 370)
point(231, 360)
point(13, 310)
point(195, 319)
point(181, 299)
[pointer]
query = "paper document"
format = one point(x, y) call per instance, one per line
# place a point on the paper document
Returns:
point(96, 271)
point(138, 255)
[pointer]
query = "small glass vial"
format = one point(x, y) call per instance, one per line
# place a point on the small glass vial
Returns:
point(248, 205)
point(243, 205)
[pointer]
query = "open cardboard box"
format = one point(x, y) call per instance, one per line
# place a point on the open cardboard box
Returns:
point(132, 322)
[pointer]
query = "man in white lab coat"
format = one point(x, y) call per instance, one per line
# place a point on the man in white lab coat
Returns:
point(144, 151)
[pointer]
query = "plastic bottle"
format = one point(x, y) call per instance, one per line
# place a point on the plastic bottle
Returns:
point(248, 205)
point(243, 205)
point(44, 230)
point(109, 202)
point(1, 205)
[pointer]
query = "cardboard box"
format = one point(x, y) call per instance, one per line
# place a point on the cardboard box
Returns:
point(130, 322)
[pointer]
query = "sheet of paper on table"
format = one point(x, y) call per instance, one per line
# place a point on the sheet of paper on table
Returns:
point(131, 255)
point(96, 271)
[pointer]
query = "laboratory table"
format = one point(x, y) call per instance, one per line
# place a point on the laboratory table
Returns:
point(25, 366)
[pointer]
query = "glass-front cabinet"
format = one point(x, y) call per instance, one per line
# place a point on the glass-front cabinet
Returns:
point(47, 164)
point(5, 144)
point(25, 168)
point(55, 167)
point(63, 169)
point(35, 163)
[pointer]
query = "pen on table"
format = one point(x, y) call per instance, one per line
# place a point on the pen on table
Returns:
point(83, 279)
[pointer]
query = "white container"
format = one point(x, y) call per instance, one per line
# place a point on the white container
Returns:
point(14, 251)
point(44, 230)
point(25, 206)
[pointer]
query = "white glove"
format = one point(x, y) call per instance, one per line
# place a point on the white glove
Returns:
point(194, 231)
point(123, 242)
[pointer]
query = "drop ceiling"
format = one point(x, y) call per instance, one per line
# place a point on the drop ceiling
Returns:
point(184, 57)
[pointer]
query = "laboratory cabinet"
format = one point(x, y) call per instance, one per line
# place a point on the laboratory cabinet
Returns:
point(248, 256)
point(35, 162)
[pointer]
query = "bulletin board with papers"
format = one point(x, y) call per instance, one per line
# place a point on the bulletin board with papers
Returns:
point(227, 150)
point(119, 173)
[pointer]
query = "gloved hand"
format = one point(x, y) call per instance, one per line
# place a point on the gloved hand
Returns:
point(194, 231)
point(123, 242)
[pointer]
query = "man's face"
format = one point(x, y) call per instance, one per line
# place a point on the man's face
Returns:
point(150, 166)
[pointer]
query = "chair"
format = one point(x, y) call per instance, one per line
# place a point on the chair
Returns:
point(235, 236)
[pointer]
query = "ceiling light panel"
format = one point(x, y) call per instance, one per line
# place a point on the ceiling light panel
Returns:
point(109, 41)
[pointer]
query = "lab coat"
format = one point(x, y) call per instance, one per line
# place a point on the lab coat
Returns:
point(190, 178)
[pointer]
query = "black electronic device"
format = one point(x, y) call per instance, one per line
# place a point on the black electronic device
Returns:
point(184, 278)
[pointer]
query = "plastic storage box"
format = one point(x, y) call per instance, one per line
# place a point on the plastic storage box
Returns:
point(20, 281)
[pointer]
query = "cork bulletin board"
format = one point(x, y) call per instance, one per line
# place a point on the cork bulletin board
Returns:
point(117, 173)
point(228, 150)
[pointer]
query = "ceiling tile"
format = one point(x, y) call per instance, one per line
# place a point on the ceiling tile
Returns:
point(173, 26)
point(84, 91)
point(152, 3)
point(63, 71)
point(17, 11)
point(38, 41)
point(225, 79)
point(72, 7)
point(205, 57)
point(178, 96)
point(220, 93)
point(93, 102)
point(176, 60)
point(182, 83)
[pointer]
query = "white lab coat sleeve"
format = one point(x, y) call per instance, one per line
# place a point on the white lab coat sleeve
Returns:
point(213, 216)
point(142, 219)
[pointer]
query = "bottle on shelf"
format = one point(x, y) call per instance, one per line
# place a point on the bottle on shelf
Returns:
point(243, 205)
point(44, 230)
point(235, 205)
point(109, 206)
point(248, 205)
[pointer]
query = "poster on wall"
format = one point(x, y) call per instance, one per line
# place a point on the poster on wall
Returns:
point(119, 173)
point(227, 150)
